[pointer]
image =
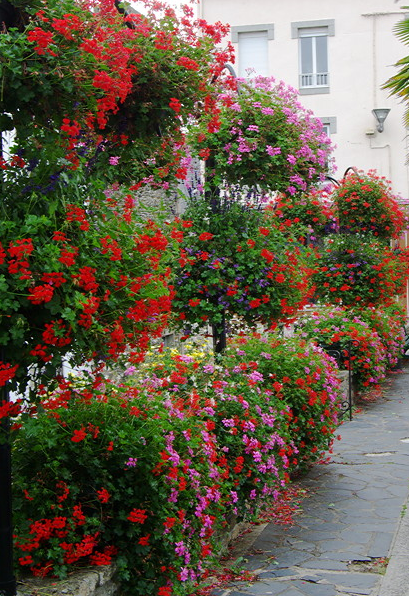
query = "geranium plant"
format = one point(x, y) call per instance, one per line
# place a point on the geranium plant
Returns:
point(127, 83)
point(355, 270)
point(145, 476)
point(388, 322)
point(366, 204)
point(86, 280)
point(265, 138)
point(85, 88)
point(344, 329)
point(309, 215)
point(233, 260)
point(147, 473)
point(304, 378)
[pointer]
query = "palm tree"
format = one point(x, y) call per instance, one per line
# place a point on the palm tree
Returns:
point(398, 84)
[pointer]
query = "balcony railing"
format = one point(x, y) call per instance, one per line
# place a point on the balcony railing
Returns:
point(315, 79)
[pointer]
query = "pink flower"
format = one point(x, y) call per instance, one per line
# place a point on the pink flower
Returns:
point(273, 150)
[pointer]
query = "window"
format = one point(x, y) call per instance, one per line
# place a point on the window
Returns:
point(252, 52)
point(329, 124)
point(313, 54)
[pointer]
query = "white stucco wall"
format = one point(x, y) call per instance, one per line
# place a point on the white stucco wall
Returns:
point(361, 57)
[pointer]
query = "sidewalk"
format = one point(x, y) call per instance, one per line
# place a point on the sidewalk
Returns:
point(355, 520)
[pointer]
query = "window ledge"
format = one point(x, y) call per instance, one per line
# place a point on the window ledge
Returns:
point(313, 90)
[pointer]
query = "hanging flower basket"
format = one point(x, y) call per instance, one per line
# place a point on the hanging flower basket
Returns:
point(366, 204)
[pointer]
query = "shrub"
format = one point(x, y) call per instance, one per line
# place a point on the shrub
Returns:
point(388, 323)
point(144, 477)
point(148, 473)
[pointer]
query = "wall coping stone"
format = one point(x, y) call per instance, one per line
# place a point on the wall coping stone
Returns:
point(90, 581)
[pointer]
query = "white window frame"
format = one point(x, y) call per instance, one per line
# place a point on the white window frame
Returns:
point(314, 82)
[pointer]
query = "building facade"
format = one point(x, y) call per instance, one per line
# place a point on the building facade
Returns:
point(337, 55)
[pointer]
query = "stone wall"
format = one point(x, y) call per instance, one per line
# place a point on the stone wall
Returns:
point(92, 581)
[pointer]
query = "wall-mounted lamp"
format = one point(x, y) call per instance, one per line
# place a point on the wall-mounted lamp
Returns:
point(380, 115)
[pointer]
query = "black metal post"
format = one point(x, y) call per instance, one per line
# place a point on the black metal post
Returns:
point(7, 580)
point(8, 585)
point(219, 336)
point(212, 195)
point(8, 15)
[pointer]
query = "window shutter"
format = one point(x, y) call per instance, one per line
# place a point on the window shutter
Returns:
point(253, 54)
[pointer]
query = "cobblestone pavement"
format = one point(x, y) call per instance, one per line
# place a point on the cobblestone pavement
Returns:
point(354, 518)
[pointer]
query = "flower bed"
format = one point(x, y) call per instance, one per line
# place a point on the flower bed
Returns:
point(303, 377)
point(147, 474)
point(388, 322)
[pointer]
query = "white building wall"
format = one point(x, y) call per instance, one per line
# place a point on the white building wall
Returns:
point(362, 54)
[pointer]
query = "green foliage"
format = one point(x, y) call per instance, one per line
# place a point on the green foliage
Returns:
point(398, 84)
point(234, 261)
point(147, 473)
point(265, 139)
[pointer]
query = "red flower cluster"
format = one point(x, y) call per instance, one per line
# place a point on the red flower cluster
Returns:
point(43, 40)
point(138, 516)
point(366, 204)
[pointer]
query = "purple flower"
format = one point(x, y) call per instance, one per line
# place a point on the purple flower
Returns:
point(131, 463)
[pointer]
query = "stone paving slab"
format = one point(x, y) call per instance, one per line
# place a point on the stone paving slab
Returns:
point(351, 517)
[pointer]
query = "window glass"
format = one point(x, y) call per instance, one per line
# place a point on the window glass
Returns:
point(322, 53)
point(306, 55)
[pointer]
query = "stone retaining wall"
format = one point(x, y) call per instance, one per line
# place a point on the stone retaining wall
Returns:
point(92, 581)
